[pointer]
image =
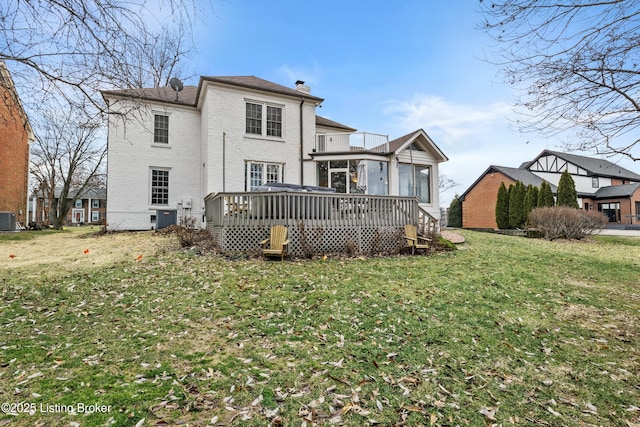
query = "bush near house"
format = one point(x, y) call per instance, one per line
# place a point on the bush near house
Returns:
point(517, 214)
point(455, 213)
point(545, 196)
point(563, 222)
point(567, 194)
point(502, 207)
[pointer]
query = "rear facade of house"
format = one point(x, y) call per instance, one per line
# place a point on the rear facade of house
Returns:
point(168, 150)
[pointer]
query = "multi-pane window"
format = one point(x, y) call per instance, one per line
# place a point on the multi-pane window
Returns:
point(256, 121)
point(262, 173)
point(415, 181)
point(95, 203)
point(95, 216)
point(595, 182)
point(78, 203)
point(274, 121)
point(159, 187)
point(161, 129)
point(254, 118)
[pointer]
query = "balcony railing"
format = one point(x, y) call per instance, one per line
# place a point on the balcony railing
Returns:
point(347, 142)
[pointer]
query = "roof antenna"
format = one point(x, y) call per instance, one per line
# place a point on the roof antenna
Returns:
point(176, 85)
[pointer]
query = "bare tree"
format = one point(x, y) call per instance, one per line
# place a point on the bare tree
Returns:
point(74, 48)
point(67, 155)
point(445, 183)
point(578, 62)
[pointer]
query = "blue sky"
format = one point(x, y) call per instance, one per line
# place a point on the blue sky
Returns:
point(388, 67)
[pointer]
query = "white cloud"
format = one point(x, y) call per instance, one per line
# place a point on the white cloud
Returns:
point(452, 122)
point(309, 74)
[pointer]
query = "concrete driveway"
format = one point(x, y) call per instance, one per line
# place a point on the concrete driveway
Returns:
point(619, 232)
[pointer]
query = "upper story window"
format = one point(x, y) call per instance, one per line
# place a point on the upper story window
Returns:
point(78, 203)
point(595, 182)
point(95, 203)
point(159, 187)
point(274, 121)
point(161, 129)
point(254, 118)
point(256, 121)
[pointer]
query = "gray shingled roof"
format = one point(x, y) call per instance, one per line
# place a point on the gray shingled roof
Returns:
point(522, 175)
point(517, 174)
point(189, 94)
point(616, 191)
point(323, 121)
point(593, 165)
point(253, 82)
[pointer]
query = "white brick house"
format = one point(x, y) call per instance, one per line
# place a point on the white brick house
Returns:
point(168, 150)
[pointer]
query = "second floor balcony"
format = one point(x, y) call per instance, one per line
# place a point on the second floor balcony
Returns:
point(349, 142)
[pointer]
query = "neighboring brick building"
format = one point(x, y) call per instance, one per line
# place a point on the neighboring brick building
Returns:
point(88, 208)
point(600, 184)
point(15, 137)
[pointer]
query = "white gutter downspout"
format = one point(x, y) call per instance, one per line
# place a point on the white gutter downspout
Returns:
point(301, 145)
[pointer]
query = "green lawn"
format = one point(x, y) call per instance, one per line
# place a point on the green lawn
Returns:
point(504, 331)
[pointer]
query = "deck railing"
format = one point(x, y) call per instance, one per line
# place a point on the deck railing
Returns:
point(344, 142)
point(317, 222)
point(290, 208)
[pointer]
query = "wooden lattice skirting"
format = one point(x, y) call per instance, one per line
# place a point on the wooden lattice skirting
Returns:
point(310, 241)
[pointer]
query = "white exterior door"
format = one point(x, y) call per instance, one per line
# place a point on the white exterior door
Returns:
point(77, 216)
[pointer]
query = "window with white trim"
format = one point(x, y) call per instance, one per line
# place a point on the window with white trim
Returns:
point(95, 216)
point(415, 180)
point(269, 124)
point(95, 203)
point(258, 174)
point(78, 203)
point(159, 187)
point(161, 129)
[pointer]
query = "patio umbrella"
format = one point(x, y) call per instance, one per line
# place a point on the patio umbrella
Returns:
point(362, 176)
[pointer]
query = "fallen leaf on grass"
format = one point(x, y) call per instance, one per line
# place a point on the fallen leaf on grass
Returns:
point(489, 413)
point(12, 256)
point(557, 414)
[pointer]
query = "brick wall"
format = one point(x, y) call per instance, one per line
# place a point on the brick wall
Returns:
point(479, 204)
point(14, 160)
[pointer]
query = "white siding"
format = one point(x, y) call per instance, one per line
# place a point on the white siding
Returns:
point(583, 183)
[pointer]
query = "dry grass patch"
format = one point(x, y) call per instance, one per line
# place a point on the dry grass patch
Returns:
point(80, 248)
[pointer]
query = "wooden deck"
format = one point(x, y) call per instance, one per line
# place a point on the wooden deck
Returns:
point(318, 223)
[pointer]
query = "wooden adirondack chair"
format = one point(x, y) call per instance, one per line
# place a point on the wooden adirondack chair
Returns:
point(276, 245)
point(414, 241)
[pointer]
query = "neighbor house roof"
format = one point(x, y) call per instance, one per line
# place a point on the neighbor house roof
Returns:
point(594, 166)
point(89, 193)
point(516, 174)
point(615, 191)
